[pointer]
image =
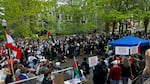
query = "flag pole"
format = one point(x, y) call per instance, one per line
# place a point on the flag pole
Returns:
point(12, 64)
point(11, 60)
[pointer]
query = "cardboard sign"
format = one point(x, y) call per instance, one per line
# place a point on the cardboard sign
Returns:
point(93, 61)
point(134, 50)
point(59, 79)
point(122, 50)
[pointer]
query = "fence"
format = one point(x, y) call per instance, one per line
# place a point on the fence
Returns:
point(140, 79)
point(33, 80)
point(38, 79)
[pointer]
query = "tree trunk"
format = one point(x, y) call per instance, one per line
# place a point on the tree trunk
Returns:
point(122, 27)
point(119, 27)
point(31, 23)
point(126, 24)
point(107, 27)
point(114, 25)
point(146, 22)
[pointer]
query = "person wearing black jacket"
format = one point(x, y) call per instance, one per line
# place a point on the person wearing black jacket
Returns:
point(9, 78)
point(85, 67)
point(100, 74)
point(47, 78)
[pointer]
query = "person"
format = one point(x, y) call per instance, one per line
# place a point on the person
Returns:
point(146, 71)
point(85, 67)
point(141, 63)
point(126, 73)
point(115, 73)
point(9, 78)
point(47, 78)
point(135, 67)
point(100, 74)
point(23, 74)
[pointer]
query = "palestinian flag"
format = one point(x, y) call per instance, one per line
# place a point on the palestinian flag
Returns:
point(50, 37)
point(12, 46)
point(75, 68)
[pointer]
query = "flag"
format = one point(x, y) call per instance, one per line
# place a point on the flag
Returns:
point(75, 67)
point(11, 45)
point(138, 47)
point(50, 38)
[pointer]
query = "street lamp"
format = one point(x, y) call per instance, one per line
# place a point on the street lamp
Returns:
point(4, 23)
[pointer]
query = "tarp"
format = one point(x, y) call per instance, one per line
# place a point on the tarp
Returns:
point(129, 41)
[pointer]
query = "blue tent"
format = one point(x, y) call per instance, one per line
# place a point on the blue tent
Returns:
point(129, 41)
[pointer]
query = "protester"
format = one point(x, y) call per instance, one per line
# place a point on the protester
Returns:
point(135, 67)
point(115, 73)
point(100, 74)
point(23, 74)
point(37, 54)
point(85, 67)
point(47, 78)
point(126, 70)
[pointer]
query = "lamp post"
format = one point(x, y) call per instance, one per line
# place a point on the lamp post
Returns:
point(4, 24)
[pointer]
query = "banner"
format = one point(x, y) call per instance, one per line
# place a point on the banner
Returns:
point(134, 50)
point(119, 50)
point(93, 61)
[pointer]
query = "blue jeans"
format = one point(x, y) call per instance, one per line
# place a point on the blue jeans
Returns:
point(115, 82)
point(125, 80)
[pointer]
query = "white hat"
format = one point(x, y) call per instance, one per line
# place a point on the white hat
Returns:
point(43, 59)
point(57, 63)
point(114, 62)
point(78, 44)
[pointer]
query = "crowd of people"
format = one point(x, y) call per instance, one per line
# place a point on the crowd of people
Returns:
point(113, 69)
point(41, 56)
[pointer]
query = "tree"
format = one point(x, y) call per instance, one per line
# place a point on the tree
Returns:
point(75, 17)
point(22, 15)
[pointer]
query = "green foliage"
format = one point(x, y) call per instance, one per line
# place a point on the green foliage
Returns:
point(24, 16)
point(2, 36)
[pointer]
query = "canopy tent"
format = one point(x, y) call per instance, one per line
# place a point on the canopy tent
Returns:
point(129, 41)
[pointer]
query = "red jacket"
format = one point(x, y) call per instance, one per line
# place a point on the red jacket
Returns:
point(115, 72)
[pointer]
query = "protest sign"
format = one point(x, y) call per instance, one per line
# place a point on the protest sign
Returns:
point(59, 79)
point(134, 50)
point(93, 61)
point(119, 50)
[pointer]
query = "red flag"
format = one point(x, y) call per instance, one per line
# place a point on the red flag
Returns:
point(11, 45)
point(138, 47)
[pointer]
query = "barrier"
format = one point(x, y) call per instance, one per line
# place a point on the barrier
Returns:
point(33, 80)
point(138, 79)
point(38, 79)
